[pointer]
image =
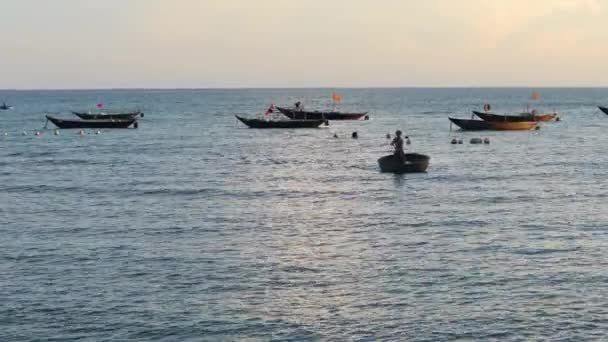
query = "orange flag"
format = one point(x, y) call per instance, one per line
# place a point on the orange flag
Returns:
point(336, 97)
point(535, 96)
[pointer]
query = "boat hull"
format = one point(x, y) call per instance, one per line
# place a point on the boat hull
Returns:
point(524, 117)
point(513, 126)
point(316, 115)
point(258, 123)
point(112, 116)
point(479, 125)
point(66, 124)
point(603, 109)
point(414, 163)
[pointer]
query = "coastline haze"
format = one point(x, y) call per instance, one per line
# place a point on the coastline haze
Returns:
point(272, 43)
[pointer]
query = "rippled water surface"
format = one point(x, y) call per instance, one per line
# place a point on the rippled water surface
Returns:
point(194, 227)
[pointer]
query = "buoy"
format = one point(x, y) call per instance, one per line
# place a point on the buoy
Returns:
point(335, 135)
point(37, 133)
point(81, 133)
point(537, 128)
point(135, 125)
point(354, 135)
point(460, 142)
point(366, 117)
point(56, 132)
point(475, 141)
point(388, 136)
point(407, 141)
point(486, 141)
point(98, 132)
point(558, 119)
point(24, 133)
point(454, 141)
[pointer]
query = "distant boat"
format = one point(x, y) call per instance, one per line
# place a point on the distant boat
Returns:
point(4, 106)
point(414, 162)
point(108, 116)
point(603, 109)
point(298, 114)
point(67, 123)
point(479, 125)
point(261, 123)
point(526, 116)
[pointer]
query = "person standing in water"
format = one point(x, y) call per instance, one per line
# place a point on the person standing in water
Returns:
point(398, 144)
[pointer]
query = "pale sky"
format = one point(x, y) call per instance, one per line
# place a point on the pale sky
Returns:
point(302, 43)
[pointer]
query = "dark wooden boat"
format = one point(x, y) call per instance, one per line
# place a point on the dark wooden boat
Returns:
point(490, 117)
point(516, 118)
point(603, 109)
point(479, 125)
point(414, 162)
point(67, 123)
point(260, 123)
point(297, 114)
point(108, 116)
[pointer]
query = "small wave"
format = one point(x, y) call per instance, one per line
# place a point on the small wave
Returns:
point(178, 192)
point(540, 251)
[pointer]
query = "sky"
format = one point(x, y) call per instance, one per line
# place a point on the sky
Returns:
point(57, 44)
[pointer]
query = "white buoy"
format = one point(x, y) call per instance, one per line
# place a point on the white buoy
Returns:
point(5, 134)
point(56, 132)
point(37, 133)
point(98, 132)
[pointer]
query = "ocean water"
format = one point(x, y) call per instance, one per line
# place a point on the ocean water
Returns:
point(194, 227)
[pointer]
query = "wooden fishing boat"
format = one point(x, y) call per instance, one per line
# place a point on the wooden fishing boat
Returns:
point(603, 109)
point(530, 116)
point(414, 162)
point(479, 125)
point(67, 123)
point(298, 114)
point(261, 123)
point(108, 116)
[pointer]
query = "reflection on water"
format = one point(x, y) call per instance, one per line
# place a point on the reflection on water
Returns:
point(193, 225)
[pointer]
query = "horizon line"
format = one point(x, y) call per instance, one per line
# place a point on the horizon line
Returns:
point(307, 88)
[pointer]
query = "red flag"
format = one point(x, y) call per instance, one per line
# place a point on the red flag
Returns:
point(100, 105)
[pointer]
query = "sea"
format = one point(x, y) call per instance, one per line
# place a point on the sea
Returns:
point(194, 227)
